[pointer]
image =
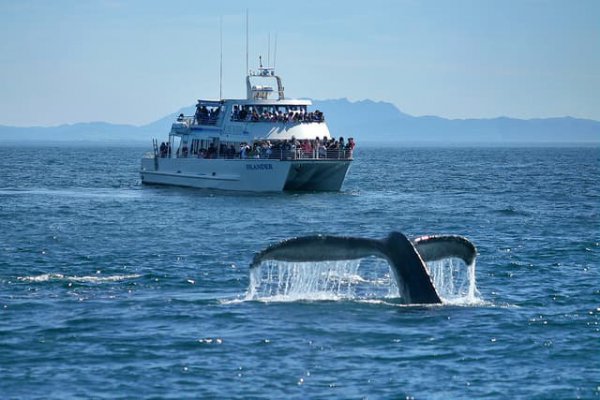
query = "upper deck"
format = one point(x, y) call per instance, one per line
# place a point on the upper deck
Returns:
point(261, 115)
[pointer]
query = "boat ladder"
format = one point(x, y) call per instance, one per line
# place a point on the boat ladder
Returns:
point(156, 155)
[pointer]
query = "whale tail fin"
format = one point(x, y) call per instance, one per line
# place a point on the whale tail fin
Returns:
point(319, 248)
point(438, 247)
point(406, 258)
point(410, 270)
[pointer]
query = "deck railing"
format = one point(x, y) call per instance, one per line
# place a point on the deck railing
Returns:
point(278, 119)
point(273, 154)
point(192, 120)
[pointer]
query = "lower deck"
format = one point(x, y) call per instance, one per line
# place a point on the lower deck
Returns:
point(254, 175)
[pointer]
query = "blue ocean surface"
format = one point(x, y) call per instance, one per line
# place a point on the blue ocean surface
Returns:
point(110, 289)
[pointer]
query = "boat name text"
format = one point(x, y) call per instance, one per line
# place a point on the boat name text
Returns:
point(259, 166)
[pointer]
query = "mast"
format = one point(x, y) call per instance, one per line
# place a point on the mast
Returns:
point(221, 60)
point(247, 70)
point(275, 53)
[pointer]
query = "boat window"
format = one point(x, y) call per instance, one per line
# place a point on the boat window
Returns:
point(207, 114)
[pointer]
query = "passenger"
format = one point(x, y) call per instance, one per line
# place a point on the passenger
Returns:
point(332, 148)
point(322, 150)
point(350, 147)
point(212, 151)
point(307, 149)
point(254, 153)
point(243, 151)
point(286, 149)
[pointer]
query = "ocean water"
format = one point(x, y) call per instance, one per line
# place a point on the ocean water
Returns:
point(110, 289)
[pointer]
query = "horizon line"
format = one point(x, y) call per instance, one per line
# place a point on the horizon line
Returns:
point(125, 124)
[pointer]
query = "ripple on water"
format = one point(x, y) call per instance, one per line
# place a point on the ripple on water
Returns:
point(173, 276)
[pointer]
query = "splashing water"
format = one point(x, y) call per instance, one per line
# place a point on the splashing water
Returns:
point(364, 279)
point(454, 281)
point(328, 280)
point(79, 279)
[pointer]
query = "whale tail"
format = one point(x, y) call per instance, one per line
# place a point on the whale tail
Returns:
point(439, 247)
point(406, 258)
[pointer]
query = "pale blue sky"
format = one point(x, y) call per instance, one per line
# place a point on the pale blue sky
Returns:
point(135, 61)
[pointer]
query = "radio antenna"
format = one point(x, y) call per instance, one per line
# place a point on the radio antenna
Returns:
point(269, 51)
point(247, 69)
point(275, 53)
point(221, 60)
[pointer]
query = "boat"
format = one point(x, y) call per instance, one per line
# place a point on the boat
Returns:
point(264, 143)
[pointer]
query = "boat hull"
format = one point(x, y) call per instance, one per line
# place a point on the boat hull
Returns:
point(253, 175)
point(314, 175)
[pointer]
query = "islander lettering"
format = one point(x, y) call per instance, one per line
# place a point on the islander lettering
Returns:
point(259, 166)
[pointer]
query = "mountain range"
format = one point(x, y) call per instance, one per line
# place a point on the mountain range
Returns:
point(366, 121)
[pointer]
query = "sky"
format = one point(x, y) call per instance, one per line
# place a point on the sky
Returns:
point(133, 62)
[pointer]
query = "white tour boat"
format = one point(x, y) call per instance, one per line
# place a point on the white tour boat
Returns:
point(255, 144)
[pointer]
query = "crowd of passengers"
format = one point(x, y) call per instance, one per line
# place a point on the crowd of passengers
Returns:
point(278, 149)
point(293, 149)
point(206, 115)
point(273, 114)
point(165, 149)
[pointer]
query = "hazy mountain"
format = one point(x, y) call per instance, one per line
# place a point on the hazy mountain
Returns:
point(378, 121)
point(81, 132)
point(366, 121)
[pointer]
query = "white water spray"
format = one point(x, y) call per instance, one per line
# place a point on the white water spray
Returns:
point(365, 279)
point(454, 281)
point(328, 280)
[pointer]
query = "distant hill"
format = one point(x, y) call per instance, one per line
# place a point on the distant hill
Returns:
point(383, 122)
point(75, 133)
point(366, 121)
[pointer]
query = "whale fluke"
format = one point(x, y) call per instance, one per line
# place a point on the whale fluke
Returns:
point(439, 247)
point(407, 259)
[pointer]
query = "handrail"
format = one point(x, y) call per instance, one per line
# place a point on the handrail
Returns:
point(271, 154)
point(212, 120)
point(276, 118)
point(194, 120)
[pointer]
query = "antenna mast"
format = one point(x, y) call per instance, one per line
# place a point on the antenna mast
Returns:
point(275, 53)
point(269, 51)
point(247, 70)
point(221, 60)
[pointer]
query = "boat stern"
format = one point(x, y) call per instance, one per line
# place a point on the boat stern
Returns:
point(317, 175)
